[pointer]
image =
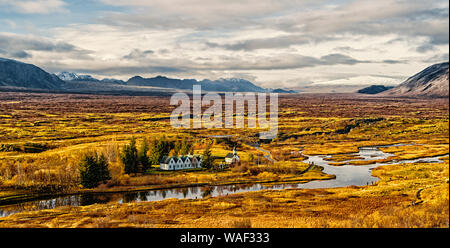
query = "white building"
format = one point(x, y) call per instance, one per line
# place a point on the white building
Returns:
point(180, 162)
point(232, 158)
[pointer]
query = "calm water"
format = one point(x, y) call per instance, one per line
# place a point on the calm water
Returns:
point(346, 175)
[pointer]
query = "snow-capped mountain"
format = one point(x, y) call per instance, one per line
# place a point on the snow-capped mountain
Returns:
point(71, 76)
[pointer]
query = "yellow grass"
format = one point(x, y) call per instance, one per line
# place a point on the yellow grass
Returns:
point(311, 129)
point(387, 204)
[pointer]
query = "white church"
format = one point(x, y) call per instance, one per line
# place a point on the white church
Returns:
point(232, 158)
point(180, 162)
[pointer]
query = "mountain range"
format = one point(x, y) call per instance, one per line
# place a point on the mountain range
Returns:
point(71, 76)
point(430, 82)
point(21, 76)
point(15, 75)
point(231, 84)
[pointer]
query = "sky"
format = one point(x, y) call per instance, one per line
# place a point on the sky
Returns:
point(276, 44)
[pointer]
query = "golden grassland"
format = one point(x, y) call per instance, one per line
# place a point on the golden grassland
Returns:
point(408, 195)
point(43, 136)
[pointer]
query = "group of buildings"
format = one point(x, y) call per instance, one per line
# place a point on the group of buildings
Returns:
point(192, 161)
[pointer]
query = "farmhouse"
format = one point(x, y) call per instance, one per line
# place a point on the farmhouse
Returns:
point(180, 162)
point(232, 158)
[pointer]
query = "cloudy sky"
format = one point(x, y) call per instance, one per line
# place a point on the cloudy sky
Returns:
point(283, 43)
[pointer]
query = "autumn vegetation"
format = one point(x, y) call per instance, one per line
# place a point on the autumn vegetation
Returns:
point(61, 144)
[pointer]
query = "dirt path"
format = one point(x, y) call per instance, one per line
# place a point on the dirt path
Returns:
point(269, 154)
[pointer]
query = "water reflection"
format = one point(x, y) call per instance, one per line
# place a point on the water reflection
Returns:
point(346, 175)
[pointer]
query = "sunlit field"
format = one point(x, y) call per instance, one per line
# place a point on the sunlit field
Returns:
point(43, 138)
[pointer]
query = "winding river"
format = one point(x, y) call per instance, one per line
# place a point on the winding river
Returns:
point(346, 175)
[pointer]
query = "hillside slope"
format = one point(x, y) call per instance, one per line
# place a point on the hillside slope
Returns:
point(20, 75)
point(431, 82)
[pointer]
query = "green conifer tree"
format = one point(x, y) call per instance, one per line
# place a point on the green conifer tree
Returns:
point(129, 157)
point(143, 158)
point(93, 170)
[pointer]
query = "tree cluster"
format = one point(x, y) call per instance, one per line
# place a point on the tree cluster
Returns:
point(93, 170)
point(150, 153)
point(135, 160)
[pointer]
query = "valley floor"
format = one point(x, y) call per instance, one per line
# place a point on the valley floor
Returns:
point(42, 137)
point(405, 197)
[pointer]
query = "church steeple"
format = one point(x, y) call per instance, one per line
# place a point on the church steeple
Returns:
point(234, 151)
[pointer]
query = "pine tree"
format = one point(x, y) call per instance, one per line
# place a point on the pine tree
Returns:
point(143, 158)
point(160, 148)
point(93, 170)
point(129, 157)
point(207, 158)
point(156, 151)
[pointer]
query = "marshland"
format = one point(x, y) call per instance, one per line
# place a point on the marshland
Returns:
point(393, 151)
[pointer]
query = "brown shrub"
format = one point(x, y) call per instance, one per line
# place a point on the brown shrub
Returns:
point(243, 223)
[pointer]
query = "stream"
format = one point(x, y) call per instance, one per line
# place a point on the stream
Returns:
point(346, 175)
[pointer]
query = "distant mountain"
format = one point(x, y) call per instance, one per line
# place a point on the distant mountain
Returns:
point(374, 89)
point(163, 82)
point(345, 85)
point(112, 81)
point(283, 91)
point(225, 85)
point(231, 84)
point(431, 82)
point(17, 74)
point(71, 76)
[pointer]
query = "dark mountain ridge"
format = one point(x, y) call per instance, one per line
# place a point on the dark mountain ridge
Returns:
point(374, 89)
point(430, 82)
point(17, 74)
point(230, 84)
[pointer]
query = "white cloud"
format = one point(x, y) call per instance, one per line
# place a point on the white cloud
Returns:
point(35, 6)
point(275, 43)
point(200, 14)
point(361, 80)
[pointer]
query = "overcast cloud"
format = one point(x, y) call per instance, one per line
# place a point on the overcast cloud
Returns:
point(285, 43)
